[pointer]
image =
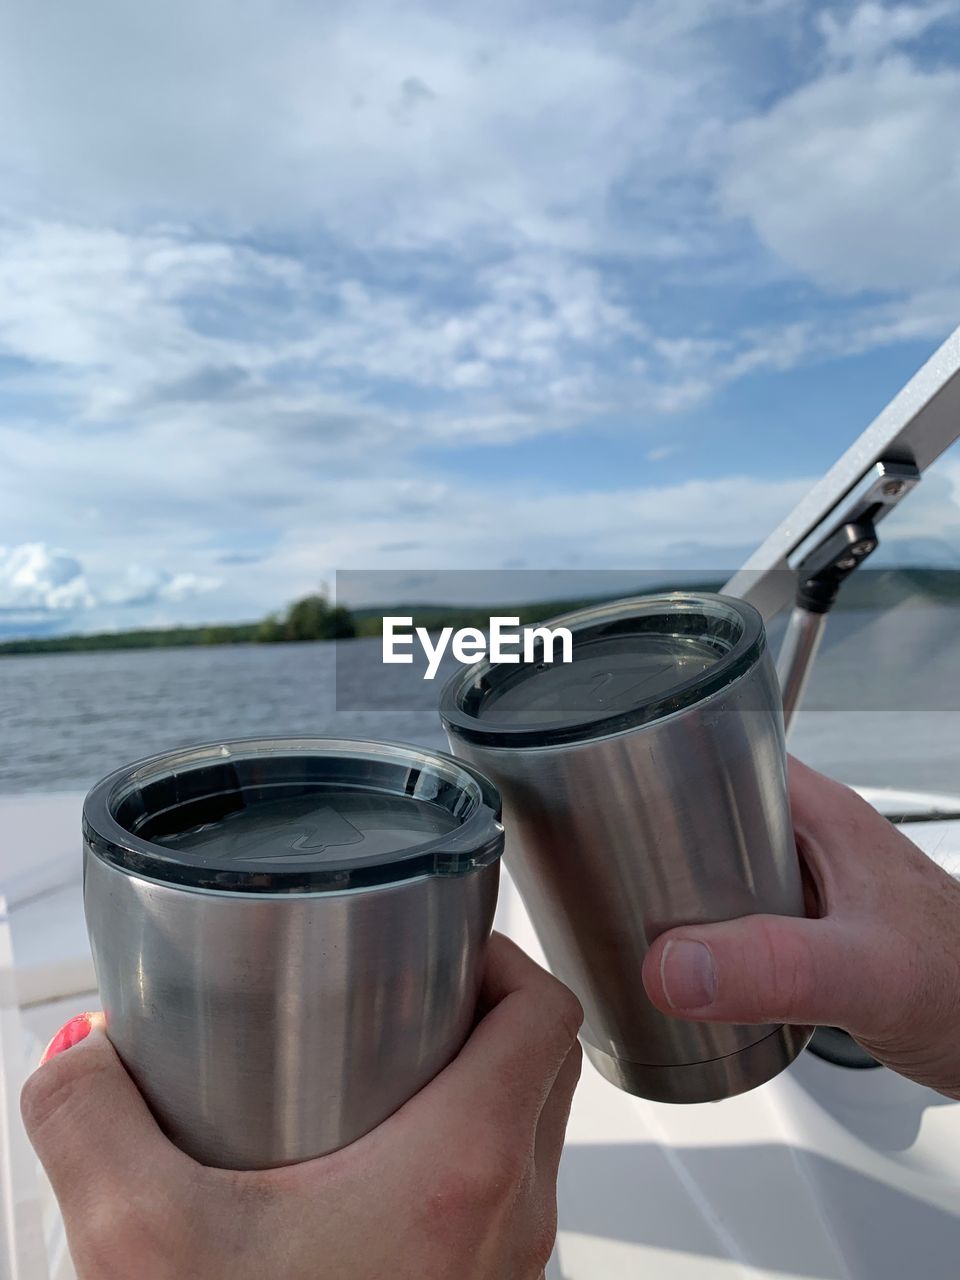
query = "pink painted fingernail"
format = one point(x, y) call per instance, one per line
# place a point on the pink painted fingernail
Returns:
point(70, 1033)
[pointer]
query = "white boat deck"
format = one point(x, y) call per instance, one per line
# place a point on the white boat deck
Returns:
point(824, 1173)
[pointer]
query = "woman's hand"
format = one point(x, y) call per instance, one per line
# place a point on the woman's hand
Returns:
point(460, 1183)
point(881, 960)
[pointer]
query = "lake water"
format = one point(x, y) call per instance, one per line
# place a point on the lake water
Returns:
point(884, 704)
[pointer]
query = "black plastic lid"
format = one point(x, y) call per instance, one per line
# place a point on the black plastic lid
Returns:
point(301, 815)
point(634, 661)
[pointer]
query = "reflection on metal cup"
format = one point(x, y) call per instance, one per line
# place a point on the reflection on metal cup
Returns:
point(288, 935)
point(644, 786)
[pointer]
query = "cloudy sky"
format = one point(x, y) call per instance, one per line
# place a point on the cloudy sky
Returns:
point(287, 288)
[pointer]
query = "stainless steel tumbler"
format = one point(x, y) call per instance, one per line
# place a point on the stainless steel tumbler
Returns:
point(644, 786)
point(288, 935)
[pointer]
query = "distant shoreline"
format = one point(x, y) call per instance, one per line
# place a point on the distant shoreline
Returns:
point(309, 619)
point(313, 618)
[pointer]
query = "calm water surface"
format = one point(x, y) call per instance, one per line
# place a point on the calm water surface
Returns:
point(884, 703)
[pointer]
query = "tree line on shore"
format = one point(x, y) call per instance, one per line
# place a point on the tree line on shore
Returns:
point(312, 618)
point(315, 618)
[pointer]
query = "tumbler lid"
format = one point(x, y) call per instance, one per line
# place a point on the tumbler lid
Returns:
point(295, 816)
point(633, 662)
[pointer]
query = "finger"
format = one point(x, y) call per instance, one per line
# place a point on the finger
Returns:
point(508, 1066)
point(850, 851)
point(508, 969)
point(808, 783)
point(89, 1124)
point(776, 969)
point(552, 1126)
point(819, 810)
point(838, 825)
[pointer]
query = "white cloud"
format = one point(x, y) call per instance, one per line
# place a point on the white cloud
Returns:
point(418, 126)
point(854, 180)
point(40, 583)
point(708, 525)
point(870, 30)
point(396, 522)
point(216, 363)
point(529, 316)
point(259, 271)
point(393, 526)
point(107, 309)
point(122, 326)
point(185, 430)
point(926, 529)
point(143, 584)
point(34, 577)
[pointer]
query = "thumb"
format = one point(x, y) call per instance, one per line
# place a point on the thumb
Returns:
point(767, 968)
point(87, 1120)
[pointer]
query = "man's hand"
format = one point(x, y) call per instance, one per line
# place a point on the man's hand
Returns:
point(461, 1182)
point(881, 960)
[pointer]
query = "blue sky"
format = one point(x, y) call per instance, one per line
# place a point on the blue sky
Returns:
point(409, 286)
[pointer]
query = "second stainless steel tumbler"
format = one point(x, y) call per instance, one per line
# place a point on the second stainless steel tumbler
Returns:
point(644, 786)
point(288, 935)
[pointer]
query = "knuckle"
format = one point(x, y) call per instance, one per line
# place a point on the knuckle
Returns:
point(35, 1101)
point(448, 1213)
point(476, 1189)
point(795, 980)
point(111, 1231)
point(789, 962)
point(566, 1008)
point(51, 1091)
point(495, 1175)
